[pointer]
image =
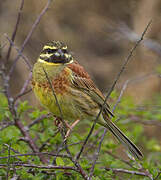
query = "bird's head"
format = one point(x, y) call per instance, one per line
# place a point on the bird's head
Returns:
point(55, 53)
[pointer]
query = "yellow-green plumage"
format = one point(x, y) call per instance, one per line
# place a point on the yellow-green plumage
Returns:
point(67, 96)
point(76, 93)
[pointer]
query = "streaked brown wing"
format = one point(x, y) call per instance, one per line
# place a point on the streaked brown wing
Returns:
point(82, 80)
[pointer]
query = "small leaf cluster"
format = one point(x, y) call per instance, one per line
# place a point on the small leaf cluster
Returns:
point(111, 156)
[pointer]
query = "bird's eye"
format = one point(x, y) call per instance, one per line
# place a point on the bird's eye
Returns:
point(49, 51)
point(64, 51)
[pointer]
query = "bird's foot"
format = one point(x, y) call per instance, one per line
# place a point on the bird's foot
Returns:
point(71, 128)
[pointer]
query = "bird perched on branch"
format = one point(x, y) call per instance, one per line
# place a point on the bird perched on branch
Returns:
point(76, 96)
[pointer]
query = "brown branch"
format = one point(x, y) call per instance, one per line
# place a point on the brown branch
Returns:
point(8, 161)
point(15, 30)
point(39, 119)
point(79, 168)
point(129, 172)
point(35, 154)
point(17, 121)
point(147, 122)
point(22, 94)
point(29, 140)
point(113, 86)
point(29, 34)
point(126, 32)
point(40, 167)
point(6, 125)
point(26, 60)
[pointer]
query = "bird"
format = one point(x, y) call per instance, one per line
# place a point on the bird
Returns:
point(76, 96)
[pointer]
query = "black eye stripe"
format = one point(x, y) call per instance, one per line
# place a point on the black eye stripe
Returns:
point(49, 51)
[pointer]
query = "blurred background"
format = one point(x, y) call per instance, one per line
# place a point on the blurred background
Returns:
point(100, 35)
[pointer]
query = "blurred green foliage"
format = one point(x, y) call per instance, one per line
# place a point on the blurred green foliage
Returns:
point(44, 133)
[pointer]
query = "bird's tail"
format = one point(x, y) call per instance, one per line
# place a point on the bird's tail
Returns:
point(122, 138)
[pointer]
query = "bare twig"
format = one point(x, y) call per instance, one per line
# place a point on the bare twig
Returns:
point(3, 126)
point(35, 154)
point(108, 94)
point(111, 89)
point(8, 162)
point(21, 94)
point(127, 33)
point(79, 168)
point(29, 140)
point(56, 99)
point(26, 60)
point(29, 34)
point(39, 119)
point(146, 122)
point(41, 167)
point(15, 29)
point(129, 172)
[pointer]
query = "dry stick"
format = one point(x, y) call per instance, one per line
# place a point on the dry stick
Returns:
point(37, 120)
point(28, 139)
point(8, 162)
point(11, 149)
point(111, 89)
point(29, 34)
point(79, 168)
point(35, 154)
point(53, 91)
point(108, 94)
point(128, 171)
point(17, 121)
point(40, 167)
point(23, 91)
point(19, 52)
point(21, 94)
point(136, 79)
point(127, 33)
point(60, 111)
point(149, 122)
point(6, 125)
point(15, 30)
point(117, 157)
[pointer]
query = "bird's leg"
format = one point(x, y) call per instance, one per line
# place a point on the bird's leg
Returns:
point(71, 127)
point(58, 123)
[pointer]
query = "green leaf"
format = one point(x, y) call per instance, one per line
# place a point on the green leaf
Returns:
point(59, 161)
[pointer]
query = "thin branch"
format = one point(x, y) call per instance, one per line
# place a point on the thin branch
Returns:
point(39, 119)
point(113, 86)
point(15, 29)
point(35, 154)
point(79, 168)
point(129, 172)
point(6, 125)
point(8, 161)
point(146, 122)
point(54, 94)
point(29, 140)
point(26, 60)
point(22, 94)
point(126, 32)
point(108, 94)
point(41, 167)
point(29, 34)
point(120, 159)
